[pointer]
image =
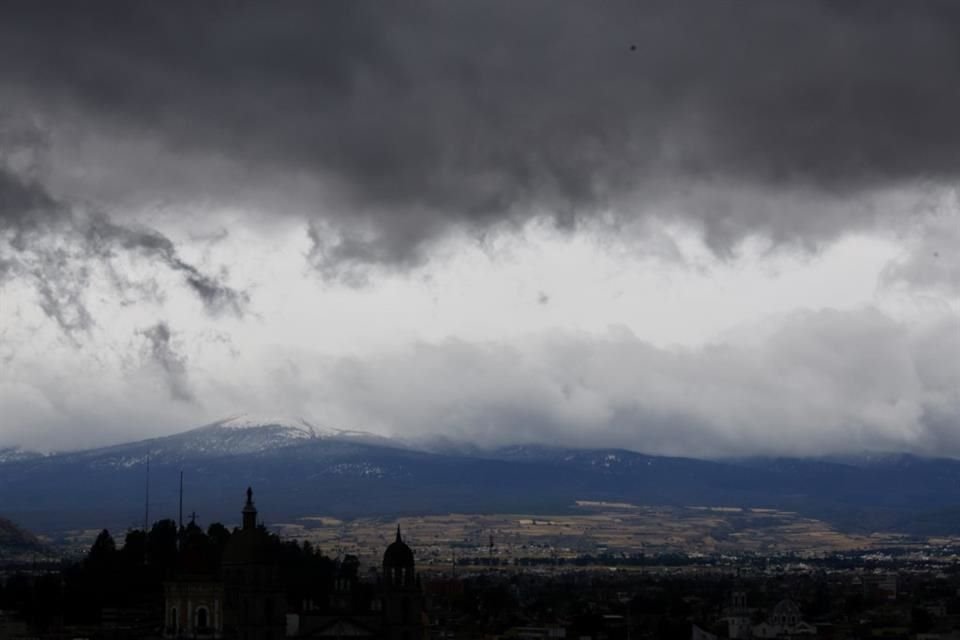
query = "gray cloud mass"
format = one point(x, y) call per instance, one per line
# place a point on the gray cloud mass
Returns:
point(378, 128)
point(173, 365)
point(52, 245)
point(414, 118)
point(810, 383)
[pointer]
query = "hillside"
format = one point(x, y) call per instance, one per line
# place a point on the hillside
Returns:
point(14, 539)
point(300, 469)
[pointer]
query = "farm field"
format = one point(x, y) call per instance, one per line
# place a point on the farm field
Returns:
point(596, 528)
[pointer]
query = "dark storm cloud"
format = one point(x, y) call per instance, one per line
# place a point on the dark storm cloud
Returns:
point(25, 208)
point(28, 215)
point(173, 365)
point(422, 116)
point(45, 241)
point(931, 262)
point(104, 236)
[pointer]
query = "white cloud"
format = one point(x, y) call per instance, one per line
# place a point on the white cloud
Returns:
point(686, 354)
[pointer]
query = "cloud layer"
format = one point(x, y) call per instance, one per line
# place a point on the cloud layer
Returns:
point(55, 247)
point(207, 203)
point(815, 383)
point(810, 383)
point(397, 123)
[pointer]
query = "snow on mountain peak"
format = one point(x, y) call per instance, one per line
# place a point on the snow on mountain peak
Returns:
point(273, 429)
point(255, 421)
point(15, 454)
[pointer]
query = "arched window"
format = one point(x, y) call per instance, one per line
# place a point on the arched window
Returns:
point(202, 618)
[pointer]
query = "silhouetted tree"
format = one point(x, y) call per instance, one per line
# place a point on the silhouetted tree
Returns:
point(103, 553)
point(162, 545)
point(219, 536)
point(134, 550)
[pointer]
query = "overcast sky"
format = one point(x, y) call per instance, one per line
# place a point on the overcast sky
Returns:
point(698, 228)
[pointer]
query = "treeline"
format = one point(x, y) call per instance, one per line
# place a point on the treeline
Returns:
point(131, 576)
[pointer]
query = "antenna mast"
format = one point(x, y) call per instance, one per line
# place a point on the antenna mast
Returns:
point(146, 499)
point(180, 521)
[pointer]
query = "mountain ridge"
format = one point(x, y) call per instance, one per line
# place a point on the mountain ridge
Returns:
point(300, 469)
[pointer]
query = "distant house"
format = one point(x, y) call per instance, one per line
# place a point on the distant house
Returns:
point(880, 587)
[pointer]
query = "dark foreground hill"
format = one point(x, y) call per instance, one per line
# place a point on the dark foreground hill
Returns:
point(15, 540)
point(299, 470)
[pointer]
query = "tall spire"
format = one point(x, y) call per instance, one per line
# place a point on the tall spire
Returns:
point(398, 534)
point(249, 512)
point(180, 516)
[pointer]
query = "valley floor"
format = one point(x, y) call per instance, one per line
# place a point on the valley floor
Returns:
point(596, 529)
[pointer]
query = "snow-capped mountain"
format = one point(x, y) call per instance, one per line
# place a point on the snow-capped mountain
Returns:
point(245, 421)
point(238, 435)
point(289, 427)
point(242, 434)
point(247, 433)
point(299, 467)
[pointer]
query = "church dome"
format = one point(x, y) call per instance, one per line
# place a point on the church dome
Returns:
point(786, 614)
point(398, 554)
point(786, 608)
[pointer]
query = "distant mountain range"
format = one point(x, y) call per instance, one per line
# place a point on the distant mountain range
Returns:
point(299, 469)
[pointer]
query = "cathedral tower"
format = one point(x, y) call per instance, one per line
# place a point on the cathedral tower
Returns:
point(402, 596)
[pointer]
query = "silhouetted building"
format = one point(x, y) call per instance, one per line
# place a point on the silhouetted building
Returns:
point(193, 600)
point(244, 598)
point(396, 612)
point(738, 615)
point(255, 603)
point(402, 596)
point(880, 587)
point(244, 601)
point(785, 621)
